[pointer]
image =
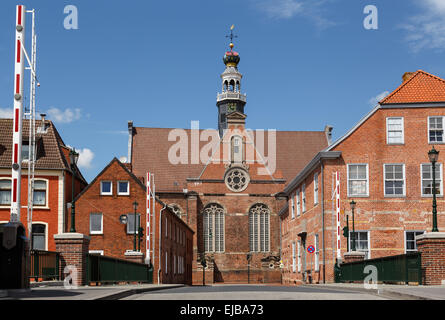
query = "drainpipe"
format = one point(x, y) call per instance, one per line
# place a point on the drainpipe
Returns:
point(160, 237)
point(322, 220)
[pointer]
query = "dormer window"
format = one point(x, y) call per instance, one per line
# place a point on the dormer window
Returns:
point(25, 151)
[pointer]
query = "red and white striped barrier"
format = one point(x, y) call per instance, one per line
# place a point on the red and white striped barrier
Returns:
point(337, 211)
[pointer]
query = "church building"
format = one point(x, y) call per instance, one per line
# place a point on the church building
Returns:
point(226, 184)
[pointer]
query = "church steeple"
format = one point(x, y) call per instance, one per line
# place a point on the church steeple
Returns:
point(230, 99)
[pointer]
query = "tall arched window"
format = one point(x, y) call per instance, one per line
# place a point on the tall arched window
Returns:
point(237, 149)
point(213, 220)
point(232, 85)
point(259, 217)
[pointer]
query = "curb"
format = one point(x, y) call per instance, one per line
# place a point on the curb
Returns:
point(129, 292)
point(46, 284)
point(377, 292)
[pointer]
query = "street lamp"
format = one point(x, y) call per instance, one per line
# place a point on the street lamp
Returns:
point(74, 156)
point(433, 155)
point(135, 205)
point(352, 204)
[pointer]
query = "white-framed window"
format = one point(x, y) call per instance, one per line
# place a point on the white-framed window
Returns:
point(298, 202)
point(317, 253)
point(96, 223)
point(5, 191)
point(106, 188)
point(303, 197)
point(40, 192)
point(98, 252)
point(410, 240)
point(130, 223)
point(315, 188)
point(292, 204)
point(427, 179)
point(299, 256)
point(435, 129)
point(358, 180)
point(361, 242)
point(294, 257)
point(39, 236)
point(213, 220)
point(123, 188)
point(394, 180)
point(395, 130)
point(259, 216)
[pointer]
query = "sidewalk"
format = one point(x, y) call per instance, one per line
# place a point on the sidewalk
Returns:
point(400, 292)
point(106, 292)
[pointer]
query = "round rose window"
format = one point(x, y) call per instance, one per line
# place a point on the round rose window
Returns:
point(237, 179)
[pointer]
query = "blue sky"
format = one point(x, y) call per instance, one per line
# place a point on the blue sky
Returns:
point(306, 63)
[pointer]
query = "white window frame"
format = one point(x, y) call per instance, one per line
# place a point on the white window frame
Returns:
point(46, 231)
point(387, 131)
point(384, 181)
point(438, 167)
point(443, 130)
point(294, 257)
point(101, 252)
point(10, 189)
point(101, 223)
point(368, 256)
point(297, 194)
point(405, 240)
point(292, 203)
point(102, 193)
point(299, 256)
point(367, 180)
point(316, 188)
point(128, 188)
point(303, 198)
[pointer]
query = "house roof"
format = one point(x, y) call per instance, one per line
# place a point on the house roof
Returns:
point(51, 150)
point(151, 149)
point(421, 87)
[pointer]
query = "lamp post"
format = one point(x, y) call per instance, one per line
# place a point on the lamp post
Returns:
point(353, 203)
point(74, 156)
point(135, 205)
point(433, 156)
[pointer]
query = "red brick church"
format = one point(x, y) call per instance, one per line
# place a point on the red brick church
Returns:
point(226, 184)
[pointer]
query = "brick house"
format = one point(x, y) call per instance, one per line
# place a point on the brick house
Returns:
point(233, 210)
point(383, 166)
point(53, 181)
point(109, 196)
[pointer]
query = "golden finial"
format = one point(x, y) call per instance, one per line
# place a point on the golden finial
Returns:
point(231, 36)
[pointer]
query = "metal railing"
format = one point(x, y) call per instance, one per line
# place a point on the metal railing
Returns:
point(393, 269)
point(44, 265)
point(105, 269)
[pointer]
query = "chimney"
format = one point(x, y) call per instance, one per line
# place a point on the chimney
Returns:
point(130, 140)
point(42, 128)
point(406, 76)
point(328, 131)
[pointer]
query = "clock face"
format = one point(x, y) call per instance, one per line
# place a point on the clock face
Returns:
point(231, 107)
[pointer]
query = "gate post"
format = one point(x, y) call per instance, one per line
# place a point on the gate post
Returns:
point(431, 246)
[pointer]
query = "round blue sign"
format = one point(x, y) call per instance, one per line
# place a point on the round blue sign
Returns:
point(311, 249)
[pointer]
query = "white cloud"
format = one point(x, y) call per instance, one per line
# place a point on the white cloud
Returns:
point(6, 113)
point(86, 157)
point(426, 30)
point(64, 116)
point(280, 8)
point(374, 100)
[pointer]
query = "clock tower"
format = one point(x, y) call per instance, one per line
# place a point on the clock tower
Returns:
point(230, 99)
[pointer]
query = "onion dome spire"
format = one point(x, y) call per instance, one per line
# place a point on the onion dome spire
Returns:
point(231, 58)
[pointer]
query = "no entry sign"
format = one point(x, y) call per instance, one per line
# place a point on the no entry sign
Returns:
point(311, 249)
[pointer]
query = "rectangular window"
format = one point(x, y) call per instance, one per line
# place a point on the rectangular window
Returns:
point(427, 179)
point(292, 203)
point(410, 240)
point(130, 223)
point(25, 151)
point(394, 179)
point(96, 223)
point(39, 197)
point(299, 256)
point(294, 258)
point(123, 188)
point(303, 197)
point(106, 188)
point(394, 130)
point(358, 184)
point(361, 242)
point(5, 192)
point(166, 262)
point(317, 254)
point(298, 203)
point(435, 129)
point(39, 237)
point(315, 188)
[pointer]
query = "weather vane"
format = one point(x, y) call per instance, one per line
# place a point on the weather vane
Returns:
point(231, 36)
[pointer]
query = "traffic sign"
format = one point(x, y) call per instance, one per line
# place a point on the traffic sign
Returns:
point(311, 249)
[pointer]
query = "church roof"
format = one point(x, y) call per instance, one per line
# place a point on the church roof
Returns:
point(151, 148)
point(421, 87)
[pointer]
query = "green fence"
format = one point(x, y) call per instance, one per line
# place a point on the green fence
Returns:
point(44, 265)
point(107, 270)
point(393, 269)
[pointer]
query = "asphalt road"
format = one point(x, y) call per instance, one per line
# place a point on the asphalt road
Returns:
point(253, 292)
